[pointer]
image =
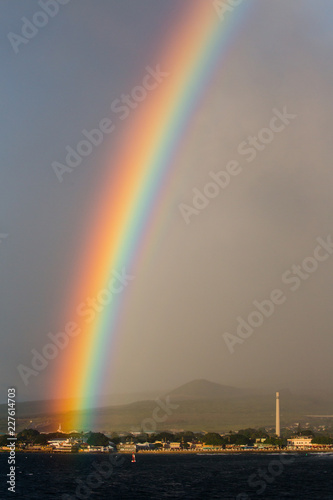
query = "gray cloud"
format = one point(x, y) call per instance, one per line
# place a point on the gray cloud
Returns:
point(198, 277)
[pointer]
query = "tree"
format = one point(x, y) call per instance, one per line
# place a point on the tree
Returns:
point(198, 436)
point(115, 438)
point(28, 436)
point(142, 438)
point(97, 439)
point(164, 436)
point(322, 440)
point(151, 438)
point(240, 439)
point(275, 441)
point(253, 433)
point(3, 439)
point(184, 436)
point(213, 439)
point(306, 433)
point(58, 435)
point(42, 439)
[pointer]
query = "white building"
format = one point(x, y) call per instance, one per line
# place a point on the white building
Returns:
point(300, 442)
point(63, 444)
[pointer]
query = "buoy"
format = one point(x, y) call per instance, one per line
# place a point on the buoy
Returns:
point(133, 458)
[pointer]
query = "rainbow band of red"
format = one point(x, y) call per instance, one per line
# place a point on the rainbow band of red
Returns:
point(136, 195)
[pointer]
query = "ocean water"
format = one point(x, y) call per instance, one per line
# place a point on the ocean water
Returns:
point(238, 476)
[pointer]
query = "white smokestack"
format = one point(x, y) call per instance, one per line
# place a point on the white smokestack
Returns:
point(277, 421)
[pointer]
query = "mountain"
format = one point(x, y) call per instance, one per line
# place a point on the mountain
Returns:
point(199, 405)
point(203, 389)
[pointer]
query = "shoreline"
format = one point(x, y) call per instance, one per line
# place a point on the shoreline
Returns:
point(177, 452)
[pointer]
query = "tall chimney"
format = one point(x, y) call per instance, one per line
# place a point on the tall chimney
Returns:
point(277, 421)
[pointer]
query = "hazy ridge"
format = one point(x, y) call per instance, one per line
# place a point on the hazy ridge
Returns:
point(197, 405)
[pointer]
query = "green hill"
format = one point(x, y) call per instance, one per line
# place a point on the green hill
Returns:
point(198, 405)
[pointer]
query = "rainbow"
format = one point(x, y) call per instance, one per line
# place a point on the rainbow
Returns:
point(136, 194)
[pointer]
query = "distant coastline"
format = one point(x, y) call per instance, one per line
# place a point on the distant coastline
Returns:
point(276, 451)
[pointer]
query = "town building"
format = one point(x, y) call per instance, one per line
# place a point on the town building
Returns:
point(127, 447)
point(300, 442)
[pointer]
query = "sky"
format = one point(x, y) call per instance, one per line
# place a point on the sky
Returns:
point(211, 257)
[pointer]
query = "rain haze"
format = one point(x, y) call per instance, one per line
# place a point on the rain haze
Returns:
point(217, 251)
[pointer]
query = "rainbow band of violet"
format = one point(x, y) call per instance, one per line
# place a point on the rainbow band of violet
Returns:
point(134, 198)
